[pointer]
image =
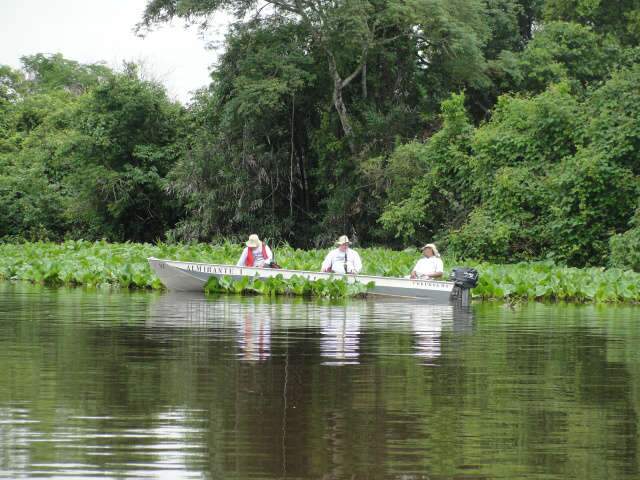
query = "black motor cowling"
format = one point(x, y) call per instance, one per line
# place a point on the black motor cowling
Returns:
point(464, 277)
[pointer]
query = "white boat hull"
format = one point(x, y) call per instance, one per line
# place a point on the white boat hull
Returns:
point(192, 276)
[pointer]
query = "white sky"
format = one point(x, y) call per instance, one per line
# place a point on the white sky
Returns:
point(91, 31)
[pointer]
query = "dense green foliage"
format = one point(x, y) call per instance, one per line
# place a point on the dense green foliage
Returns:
point(625, 247)
point(102, 264)
point(546, 281)
point(85, 153)
point(505, 130)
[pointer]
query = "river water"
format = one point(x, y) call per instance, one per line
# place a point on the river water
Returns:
point(103, 384)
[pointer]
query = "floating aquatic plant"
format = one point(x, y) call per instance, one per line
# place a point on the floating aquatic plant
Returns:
point(124, 265)
point(296, 285)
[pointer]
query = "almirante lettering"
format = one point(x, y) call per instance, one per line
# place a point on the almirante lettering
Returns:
point(194, 267)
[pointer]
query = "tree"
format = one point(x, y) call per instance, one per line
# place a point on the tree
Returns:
point(128, 131)
point(51, 72)
point(33, 197)
point(619, 18)
point(591, 198)
point(12, 84)
point(311, 88)
point(625, 247)
point(557, 176)
point(565, 51)
point(84, 152)
point(441, 197)
point(346, 32)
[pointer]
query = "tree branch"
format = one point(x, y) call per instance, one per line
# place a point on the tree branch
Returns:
point(355, 73)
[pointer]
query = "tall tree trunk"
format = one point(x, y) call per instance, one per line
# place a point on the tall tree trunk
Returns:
point(291, 156)
point(364, 80)
point(303, 176)
point(338, 103)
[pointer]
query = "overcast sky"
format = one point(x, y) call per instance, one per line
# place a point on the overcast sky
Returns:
point(91, 31)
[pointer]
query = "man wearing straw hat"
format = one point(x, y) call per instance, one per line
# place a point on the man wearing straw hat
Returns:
point(342, 259)
point(430, 266)
point(256, 253)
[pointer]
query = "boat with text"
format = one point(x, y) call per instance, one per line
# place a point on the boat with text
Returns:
point(192, 276)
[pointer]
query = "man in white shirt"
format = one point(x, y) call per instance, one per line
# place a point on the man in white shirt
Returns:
point(342, 259)
point(430, 266)
point(255, 254)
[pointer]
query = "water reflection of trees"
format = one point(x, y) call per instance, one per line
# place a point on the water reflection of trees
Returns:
point(288, 403)
point(123, 382)
point(340, 420)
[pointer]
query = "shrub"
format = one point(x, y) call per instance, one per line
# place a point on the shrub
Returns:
point(625, 247)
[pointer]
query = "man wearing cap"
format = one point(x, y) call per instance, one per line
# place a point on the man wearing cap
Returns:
point(430, 266)
point(255, 254)
point(342, 259)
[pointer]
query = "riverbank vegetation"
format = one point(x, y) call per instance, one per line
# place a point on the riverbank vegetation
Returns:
point(294, 286)
point(504, 130)
point(102, 264)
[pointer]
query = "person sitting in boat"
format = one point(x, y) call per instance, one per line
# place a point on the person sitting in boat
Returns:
point(342, 259)
point(430, 266)
point(256, 253)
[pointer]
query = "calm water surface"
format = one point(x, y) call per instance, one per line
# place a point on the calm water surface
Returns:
point(97, 384)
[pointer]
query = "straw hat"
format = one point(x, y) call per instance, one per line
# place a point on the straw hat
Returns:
point(254, 241)
point(342, 240)
point(433, 248)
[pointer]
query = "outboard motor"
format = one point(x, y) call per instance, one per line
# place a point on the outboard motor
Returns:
point(464, 279)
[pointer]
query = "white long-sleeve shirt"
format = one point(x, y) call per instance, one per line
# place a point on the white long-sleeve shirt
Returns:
point(258, 261)
point(428, 266)
point(336, 259)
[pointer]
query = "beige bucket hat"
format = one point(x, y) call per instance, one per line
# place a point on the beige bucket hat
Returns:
point(254, 241)
point(342, 240)
point(433, 248)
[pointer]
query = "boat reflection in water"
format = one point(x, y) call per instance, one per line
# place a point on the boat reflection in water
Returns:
point(254, 336)
point(257, 324)
point(428, 325)
point(340, 336)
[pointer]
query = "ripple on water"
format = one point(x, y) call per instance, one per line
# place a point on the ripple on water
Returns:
point(107, 384)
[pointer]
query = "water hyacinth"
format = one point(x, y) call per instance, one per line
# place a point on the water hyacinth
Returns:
point(547, 281)
point(124, 265)
point(296, 285)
